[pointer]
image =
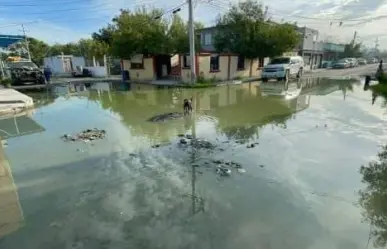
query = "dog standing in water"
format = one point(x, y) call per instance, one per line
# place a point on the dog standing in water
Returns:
point(187, 106)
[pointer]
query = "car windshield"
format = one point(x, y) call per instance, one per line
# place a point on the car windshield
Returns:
point(280, 60)
point(22, 64)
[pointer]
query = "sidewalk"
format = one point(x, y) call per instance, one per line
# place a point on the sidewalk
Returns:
point(12, 101)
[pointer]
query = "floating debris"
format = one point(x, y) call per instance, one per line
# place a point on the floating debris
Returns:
point(166, 117)
point(86, 135)
point(249, 146)
point(181, 135)
point(241, 171)
point(202, 144)
point(183, 141)
point(189, 136)
point(156, 146)
point(262, 166)
point(223, 171)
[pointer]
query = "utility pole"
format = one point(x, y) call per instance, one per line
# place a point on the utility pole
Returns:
point(376, 44)
point(354, 37)
point(266, 12)
point(26, 41)
point(192, 41)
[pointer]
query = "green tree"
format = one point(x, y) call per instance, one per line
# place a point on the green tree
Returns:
point(67, 49)
point(89, 48)
point(352, 50)
point(37, 48)
point(244, 30)
point(179, 37)
point(140, 31)
point(104, 35)
point(374, 197)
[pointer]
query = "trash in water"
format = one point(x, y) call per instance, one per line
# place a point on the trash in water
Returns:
point(166, 116)
point(223, 171)
point(86, 135)
point(249, 146)
point(183, 141)
point(241, 171)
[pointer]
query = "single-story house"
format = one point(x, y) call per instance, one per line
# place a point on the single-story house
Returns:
point(209, 66)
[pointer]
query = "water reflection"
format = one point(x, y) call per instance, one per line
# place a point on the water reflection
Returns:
point(121, 193)
point(11, 213)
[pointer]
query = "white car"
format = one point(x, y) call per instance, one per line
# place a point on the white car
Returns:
point(282, 68)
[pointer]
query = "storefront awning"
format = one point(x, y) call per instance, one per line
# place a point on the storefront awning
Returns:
point(7, 40)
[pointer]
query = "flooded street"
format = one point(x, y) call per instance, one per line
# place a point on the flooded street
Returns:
point(144, 185)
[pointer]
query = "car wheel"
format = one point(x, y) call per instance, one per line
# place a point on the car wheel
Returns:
point(299, 74)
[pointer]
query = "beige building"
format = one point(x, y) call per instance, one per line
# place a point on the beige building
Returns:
point(209, 67)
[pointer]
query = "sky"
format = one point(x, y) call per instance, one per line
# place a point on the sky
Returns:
point(62, 21)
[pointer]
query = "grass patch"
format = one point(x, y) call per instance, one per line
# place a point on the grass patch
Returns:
point(380, 89)
point(6, 82)
point(198, 85)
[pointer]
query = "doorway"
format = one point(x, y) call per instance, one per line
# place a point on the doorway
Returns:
point(162, 66)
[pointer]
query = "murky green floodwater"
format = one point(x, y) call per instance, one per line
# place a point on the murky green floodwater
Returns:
point(299, 189)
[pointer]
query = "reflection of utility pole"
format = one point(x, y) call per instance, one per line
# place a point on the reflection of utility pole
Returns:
point(354, 37)
point(194, 145)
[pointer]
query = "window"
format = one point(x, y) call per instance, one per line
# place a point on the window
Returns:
point(214, 63)
point(137, 62)
point(136, 65)
point(241, 62)
point(207, 39)
point(261, 62)
point(186, 61)
point(280, 60)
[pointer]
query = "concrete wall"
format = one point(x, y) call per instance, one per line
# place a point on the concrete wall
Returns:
point(78, 61)
point(56, 63)
point(97, 71)
point(147, 73)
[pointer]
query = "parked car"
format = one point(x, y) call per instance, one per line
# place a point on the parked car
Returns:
point(353, 62)
point(362, 61)
point(340, 64)
point(24, 72)
point(372, 60)
point(282, 68)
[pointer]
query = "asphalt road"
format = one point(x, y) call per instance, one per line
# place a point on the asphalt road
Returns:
point(363, 70)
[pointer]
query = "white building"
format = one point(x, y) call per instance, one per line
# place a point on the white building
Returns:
point(64, 64)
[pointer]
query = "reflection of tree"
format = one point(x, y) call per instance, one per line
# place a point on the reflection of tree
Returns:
point(136, 109)
point(374, 197)
point(242, 120)
point(241, 132)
